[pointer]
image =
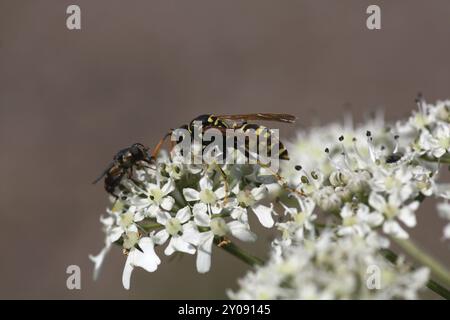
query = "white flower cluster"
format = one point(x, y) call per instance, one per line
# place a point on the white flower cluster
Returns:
point(186, 208)
point(331, 268)
point(428, 133)
point(352, 183)
point(342, 189)
point(373, 176)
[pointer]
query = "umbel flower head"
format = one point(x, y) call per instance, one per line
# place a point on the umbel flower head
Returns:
point(184, 208)
point(331, 268)
point(345, 192)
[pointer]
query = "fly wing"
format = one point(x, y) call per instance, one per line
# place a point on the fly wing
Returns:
point(103, 173)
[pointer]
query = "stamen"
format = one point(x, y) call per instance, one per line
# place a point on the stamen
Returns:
point(334, 163)
point(370, 146)
point(344, 153)
point(396, 138)
point(356, 150)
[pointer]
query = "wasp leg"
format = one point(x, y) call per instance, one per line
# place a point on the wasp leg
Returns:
point(155, 152)
point(281, 180)
point(225, 182)
point(172, 145)
point(130, 173)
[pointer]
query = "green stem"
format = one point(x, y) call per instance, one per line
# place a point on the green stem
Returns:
point(444, 159)
point(238, 252)
point(437, 269)
point(431, 284)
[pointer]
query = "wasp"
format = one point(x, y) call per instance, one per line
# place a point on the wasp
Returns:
point(221, 122)
point(122, 164)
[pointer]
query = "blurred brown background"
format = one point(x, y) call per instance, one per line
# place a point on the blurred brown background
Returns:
point(70, 99)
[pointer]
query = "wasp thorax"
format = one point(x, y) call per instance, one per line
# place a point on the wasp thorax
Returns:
point(208, 197)
point(173, 226)
point(219, 227)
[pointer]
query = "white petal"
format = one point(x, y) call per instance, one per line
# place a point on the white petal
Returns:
point(374, 219)
point(414, 205)
point(438, 152)
point(184, 214)
point(377, 202)
point(264, 215)
point(240, 214)
point(152, 211)
point(205, 184)
point(202, 219)
point(161, 237)
point(406, 192)
point(407, 217)
point(107, 221)
point(393, 228)
point(127, 270)
point(151, 186)
point(168, 187)
point(447, 231)
point(98, 260)
point(170, 248)
point(220, 193)
point(139, 216)
point(115, 234)
point(444, 210)
point(259, 193)
point(199, 208)
point(347, 211)
point(167, 203)
point(204, 252)
point(190, 233)
point(241, 231)
point(216, 208)
point(162, 217)
point(191, 194)
point(179, 244)
point(148, 260)
point(344, 231)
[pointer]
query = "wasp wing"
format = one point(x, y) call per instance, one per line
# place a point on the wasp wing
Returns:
point(280, 117)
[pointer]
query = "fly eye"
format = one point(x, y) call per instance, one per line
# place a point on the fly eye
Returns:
point(134, 151)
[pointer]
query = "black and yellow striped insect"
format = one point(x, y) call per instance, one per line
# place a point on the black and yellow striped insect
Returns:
point(238, 122)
